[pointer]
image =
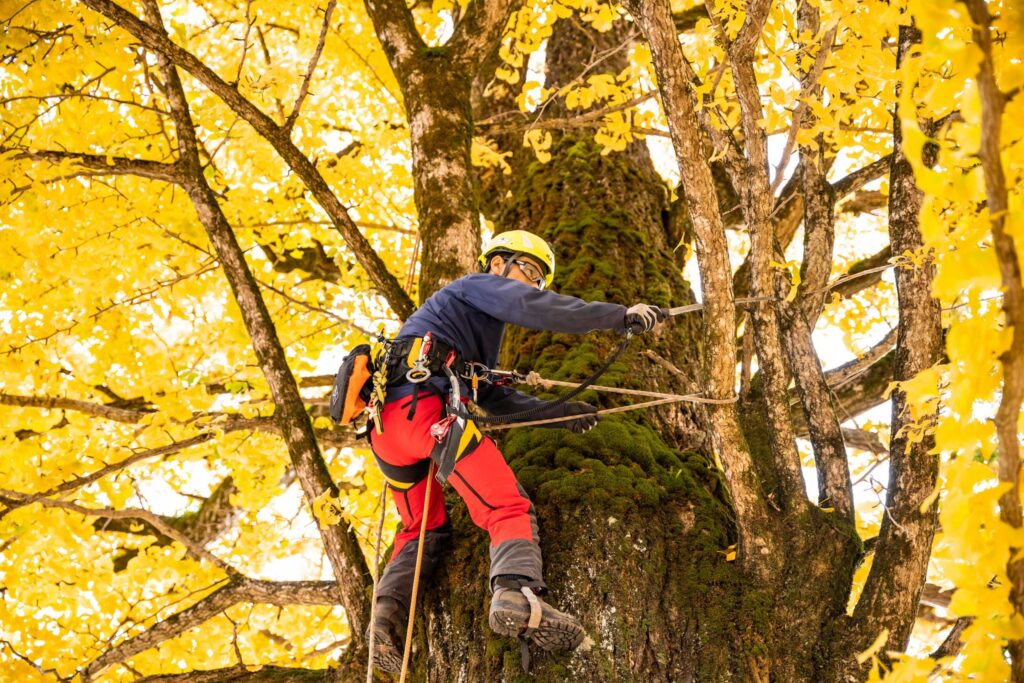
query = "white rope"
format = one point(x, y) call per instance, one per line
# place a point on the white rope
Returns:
point(416, 576)
point(660, 399)
point(376, 582)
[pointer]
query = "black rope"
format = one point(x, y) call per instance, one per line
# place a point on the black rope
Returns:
point(524, 415)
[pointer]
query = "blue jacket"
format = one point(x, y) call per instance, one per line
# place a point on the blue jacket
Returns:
point(470, 314)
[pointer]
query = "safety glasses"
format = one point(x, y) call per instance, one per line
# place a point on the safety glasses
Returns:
point(531, 272)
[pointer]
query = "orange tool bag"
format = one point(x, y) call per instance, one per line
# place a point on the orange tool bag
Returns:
point(352, 385)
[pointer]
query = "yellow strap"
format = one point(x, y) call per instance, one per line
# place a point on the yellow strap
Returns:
point(414, 352)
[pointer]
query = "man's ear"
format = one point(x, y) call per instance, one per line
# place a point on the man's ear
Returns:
point(496, 264)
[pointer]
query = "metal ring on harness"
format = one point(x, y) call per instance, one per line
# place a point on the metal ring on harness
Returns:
point(418, 373)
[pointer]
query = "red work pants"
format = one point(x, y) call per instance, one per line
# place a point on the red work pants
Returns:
point(495, 500)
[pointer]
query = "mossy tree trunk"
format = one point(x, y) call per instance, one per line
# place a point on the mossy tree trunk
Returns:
point(680, 536)
point(635, 523)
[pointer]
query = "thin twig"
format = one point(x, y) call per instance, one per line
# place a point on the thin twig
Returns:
point(304, 88)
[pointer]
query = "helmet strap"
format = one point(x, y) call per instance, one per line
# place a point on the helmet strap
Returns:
point(508, 262)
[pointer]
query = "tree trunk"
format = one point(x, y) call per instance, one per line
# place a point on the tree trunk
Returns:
point(634, 521)
point(638, 528)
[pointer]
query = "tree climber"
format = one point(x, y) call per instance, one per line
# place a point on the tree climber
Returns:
point(465, 321)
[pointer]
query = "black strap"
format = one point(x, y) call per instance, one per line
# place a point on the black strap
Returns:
point(524, 653)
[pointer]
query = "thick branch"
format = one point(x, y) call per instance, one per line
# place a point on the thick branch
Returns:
point(154, 170)
point(481, 29)
point(393, 22)
point(1012, 360)
point(797, 318)
point(60, 403)
point(274, 134)
point(756, 542)
point(893, 587)
point(742, 48)
point(819, 201)
point(243, 674)
point(758, 204)
point(290, 414)
point(225, 422)
point(835, 488)
point(238, 590)
point(857, 386)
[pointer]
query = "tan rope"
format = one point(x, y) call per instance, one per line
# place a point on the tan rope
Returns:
point(534, 379)
point(416, 576)
point(376, 582)
point(659, 399)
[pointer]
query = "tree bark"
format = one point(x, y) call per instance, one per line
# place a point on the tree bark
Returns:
point(296, 427)
point(893, 587)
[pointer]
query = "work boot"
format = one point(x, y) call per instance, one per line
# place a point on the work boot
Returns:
point(390, 621)
point(552, 630)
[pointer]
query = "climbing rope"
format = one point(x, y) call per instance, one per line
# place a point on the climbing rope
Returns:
point(577, 389)
point(416, 575)
point(660, 399)
point(376, 580)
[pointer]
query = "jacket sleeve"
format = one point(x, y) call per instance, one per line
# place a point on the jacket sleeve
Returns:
point(514, 302)
point(501, 400)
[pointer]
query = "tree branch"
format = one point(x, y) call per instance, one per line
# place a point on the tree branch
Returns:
point(156, 521)
point(289, 123)
point(757, 543)
point(59, 403)
point(340, 543)
point(242, 674)
point(1012, 359)
point(953, 643)
point(758, 205)
point(113, 165)
point(239, 589)
point(863, 274)
point(481, 29)
point(862, 176)
point(79, 482)
point(393, 22)
point(158, 41)
point(893, 587)
point(215, 517)
point(797, 318)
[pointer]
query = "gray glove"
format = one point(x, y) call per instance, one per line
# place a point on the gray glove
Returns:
point(642, 317)
point(583, 424)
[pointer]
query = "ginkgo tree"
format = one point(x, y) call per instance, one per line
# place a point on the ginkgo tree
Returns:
point(206, 203)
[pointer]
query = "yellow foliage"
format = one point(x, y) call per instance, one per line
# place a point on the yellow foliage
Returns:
point(109, 291)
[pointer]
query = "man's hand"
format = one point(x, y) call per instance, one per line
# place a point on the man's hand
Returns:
point(583, 424)
point(642, 317)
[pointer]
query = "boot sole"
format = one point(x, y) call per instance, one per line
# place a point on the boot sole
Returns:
point(550, 634)
point(386, 656)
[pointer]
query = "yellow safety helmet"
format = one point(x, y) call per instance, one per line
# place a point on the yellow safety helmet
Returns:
point(521, 242)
